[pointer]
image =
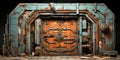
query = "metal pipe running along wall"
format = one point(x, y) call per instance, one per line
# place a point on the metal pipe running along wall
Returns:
point(61, 28)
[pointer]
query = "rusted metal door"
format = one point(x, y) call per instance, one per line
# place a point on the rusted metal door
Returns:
point(59, 37)
point(61, 29)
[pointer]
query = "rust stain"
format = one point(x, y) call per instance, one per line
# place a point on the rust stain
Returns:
point(105, 14)
point(47, 8)
point(109, 35)
point(22, 5)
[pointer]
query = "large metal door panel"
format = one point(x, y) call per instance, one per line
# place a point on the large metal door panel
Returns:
point(59, 37)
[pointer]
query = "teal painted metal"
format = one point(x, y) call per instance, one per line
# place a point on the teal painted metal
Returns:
point(80, 43)
point(29, 42)
point(98, 10)
point(37, 38)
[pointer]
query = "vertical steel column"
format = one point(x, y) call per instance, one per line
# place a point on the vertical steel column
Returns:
point(21, 31)
point(77, 8)
point(93, 36)
point(29, 42)
point(80, 42)
point(37, 37)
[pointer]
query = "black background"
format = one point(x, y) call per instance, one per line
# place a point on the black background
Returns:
point(6, 6)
